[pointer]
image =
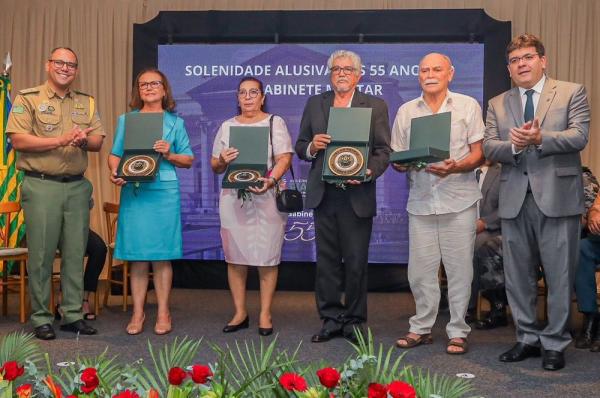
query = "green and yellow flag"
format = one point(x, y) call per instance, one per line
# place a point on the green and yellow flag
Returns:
point(10, 177)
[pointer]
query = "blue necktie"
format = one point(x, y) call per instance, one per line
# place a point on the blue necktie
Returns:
point(529, 114)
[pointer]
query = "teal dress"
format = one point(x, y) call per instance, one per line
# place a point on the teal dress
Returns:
point(149, 226)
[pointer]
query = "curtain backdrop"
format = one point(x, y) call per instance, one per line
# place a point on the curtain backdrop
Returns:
point(101, 32)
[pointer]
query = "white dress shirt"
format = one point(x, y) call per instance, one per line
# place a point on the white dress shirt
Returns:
point(430, 194)
point(537, 92)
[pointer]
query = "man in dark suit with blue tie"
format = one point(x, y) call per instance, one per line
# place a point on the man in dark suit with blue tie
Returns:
point(343, 213)
point(536, 130)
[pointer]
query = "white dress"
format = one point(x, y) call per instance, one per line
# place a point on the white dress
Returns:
point(252, 234)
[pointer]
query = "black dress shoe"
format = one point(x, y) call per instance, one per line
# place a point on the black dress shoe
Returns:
point(588, 331)
point(265, 331)
point(44, 332)
point(553, 360)
point(491, 322)
point(78, 327)
point(519, 352)
point(234, 328)
point(325, 335)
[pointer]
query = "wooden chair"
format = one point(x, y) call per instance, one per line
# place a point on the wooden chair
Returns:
point(9, 211)
point(111, 213)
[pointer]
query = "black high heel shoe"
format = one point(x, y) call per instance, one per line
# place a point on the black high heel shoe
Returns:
point(234, 328)
point(265, 331)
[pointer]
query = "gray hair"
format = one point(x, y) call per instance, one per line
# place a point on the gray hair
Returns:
point(348, 54)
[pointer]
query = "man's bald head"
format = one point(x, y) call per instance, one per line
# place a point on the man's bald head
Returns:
point(435, 73)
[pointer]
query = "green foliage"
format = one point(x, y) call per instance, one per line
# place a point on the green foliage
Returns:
point(179, 353)
point(244, 369)
point(383, 369)
point(20, 347)
point(371, 364)
point(250, 371)
point(109, 373)
point(427, 385)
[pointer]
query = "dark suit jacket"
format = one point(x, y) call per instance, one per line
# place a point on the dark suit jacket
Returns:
point(488, 206)
point(314, 121)
point(554, 170)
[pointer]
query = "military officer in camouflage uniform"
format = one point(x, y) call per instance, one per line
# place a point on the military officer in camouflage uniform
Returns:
point(52, 127)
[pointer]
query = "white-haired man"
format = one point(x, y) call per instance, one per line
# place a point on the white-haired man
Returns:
point(343, 215)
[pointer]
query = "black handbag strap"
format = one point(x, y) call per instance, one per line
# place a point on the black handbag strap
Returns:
point(273, 153)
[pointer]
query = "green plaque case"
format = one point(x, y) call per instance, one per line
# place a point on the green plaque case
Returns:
point(253, 146)
point(142, 130)
point(429, 140)
point(349, 129)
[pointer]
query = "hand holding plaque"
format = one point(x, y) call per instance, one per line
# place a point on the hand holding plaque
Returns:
point(429, 142)
point(246, 157)
point(347, 154)
point(142, 147)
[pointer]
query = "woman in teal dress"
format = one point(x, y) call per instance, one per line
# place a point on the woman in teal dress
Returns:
point(149, 227)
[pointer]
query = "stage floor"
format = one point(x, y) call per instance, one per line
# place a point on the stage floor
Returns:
point(202, 313)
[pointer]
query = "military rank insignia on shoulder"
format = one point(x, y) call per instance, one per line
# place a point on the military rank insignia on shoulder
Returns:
point(82, 93)
point(33, 90)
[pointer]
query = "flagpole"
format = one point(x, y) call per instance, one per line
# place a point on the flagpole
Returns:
point(7, 65)
point(5, 79)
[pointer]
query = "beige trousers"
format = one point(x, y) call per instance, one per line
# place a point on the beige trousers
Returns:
point(449, 238)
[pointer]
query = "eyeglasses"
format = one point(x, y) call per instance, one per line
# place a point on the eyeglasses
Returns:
point(526, 58)
point(338, 69)
point(252, 93)
point(147, 85)
point(59, 63)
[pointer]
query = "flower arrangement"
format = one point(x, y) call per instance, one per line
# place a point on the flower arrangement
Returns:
point(242, 370)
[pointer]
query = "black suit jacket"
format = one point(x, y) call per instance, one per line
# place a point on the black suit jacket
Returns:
point(314, 121)
point(488, 206)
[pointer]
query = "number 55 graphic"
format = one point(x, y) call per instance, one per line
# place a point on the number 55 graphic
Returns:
point(303, 230)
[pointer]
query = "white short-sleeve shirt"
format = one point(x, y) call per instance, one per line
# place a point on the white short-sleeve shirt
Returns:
point(430, 194)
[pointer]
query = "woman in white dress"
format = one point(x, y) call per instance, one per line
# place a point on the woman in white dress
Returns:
point(252, 230)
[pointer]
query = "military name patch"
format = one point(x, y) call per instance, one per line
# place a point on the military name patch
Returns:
point(17, 109)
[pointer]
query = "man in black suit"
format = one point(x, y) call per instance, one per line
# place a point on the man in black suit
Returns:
point(488, 271)
point(343, 213)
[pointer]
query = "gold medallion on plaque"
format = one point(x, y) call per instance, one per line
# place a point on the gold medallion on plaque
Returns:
point(138, 166)
point(243, 175)
point(345, 161)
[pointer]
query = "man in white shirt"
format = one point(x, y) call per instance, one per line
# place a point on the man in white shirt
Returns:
point(441, 205)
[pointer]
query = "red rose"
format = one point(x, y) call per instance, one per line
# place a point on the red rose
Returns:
point(176, 376)
point(292, 382)
point(400, 389)
point(329, 377)
point(11, 370)
point(127, 394)
point(89, 377)
point(23, 391)
point(377, 391)
point(200, 374)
